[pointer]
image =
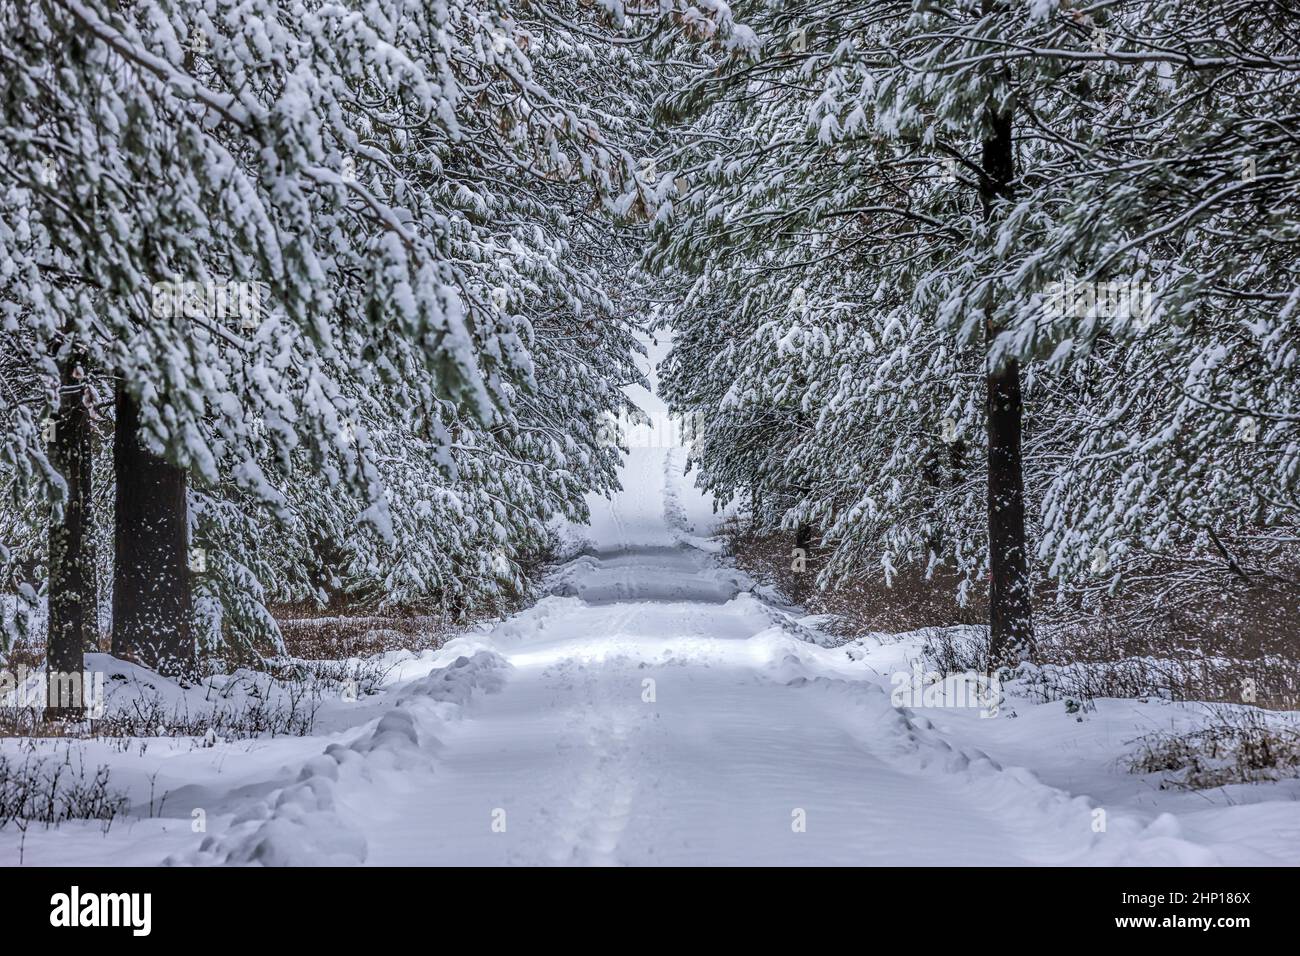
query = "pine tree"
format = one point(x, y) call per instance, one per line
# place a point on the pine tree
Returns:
point(962, 159)
point(73, 592)
point(434, 326)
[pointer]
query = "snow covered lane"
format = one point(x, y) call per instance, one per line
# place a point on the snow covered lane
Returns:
point(653, 710)
point(663, 727)
point(724, 766)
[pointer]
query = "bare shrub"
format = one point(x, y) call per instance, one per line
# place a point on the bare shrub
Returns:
point(262, 709)
point(955, 650)
point(1239, 745)
point(51, 791)
point(364, 676)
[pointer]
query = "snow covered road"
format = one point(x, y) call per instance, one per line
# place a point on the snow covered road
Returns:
point(654, 710)
point(647, 716)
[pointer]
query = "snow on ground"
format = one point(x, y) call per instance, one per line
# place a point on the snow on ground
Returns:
point(655, 708)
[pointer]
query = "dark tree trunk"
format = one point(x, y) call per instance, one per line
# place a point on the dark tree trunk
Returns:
point(1010, 621)
point(1011, 632)
point(72, 593)
point(802, 579)
point(152, 607)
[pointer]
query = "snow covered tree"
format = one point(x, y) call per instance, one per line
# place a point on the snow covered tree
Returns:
point(380, 177)
point(958, 159)
point(828, 172)
point(1183, 189)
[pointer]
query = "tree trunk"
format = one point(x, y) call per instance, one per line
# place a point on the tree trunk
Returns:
point(152, 606)
point(72, 592)
point(802, 544)
point(1011, 632)
point(1010, 622)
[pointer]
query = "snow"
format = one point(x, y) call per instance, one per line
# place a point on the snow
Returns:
point(656, 708)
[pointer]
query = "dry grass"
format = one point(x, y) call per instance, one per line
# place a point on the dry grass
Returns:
point(292, 713)
point(341, 636)
point(864, 605)
point(1236, 746)
point(1183, 631)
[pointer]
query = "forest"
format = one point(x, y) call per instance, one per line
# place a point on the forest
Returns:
point(336, 333)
